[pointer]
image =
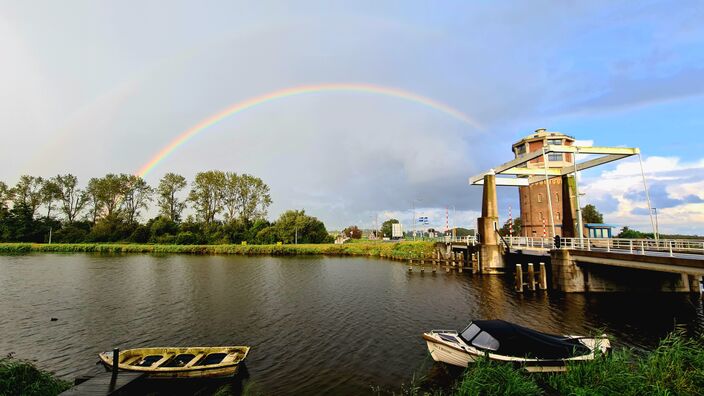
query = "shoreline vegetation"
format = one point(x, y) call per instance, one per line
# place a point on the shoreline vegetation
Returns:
point(389, 250)
point(674, 367)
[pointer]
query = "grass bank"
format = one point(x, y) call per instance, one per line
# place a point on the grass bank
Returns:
point(18, 377)
point(396, 250)
point(675, 367)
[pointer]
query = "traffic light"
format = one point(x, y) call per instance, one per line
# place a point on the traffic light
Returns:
point(558, 241)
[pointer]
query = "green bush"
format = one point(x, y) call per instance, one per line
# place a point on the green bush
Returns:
point(18, 377)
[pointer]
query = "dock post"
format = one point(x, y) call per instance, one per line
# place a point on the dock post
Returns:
point(531, 277)
point(542, 277)
point(422, 266)
point(115, 365)
point(410, 265)
point(519, 278)
point(461, 262)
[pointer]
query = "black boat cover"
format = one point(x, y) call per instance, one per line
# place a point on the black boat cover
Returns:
point(509, 339)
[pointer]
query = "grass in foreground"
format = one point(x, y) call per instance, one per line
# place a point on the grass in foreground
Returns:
point(19, 377)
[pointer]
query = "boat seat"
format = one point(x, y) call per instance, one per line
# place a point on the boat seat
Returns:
point(163, 360)
point(131, 360)
point(195, 359)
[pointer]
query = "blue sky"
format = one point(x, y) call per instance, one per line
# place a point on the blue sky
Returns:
point(93, 87)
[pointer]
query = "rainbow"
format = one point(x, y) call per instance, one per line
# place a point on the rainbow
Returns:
point(294, 91)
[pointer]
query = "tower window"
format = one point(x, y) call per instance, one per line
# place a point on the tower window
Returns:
point(557, 197)
point(555, 157)
point(540, 197)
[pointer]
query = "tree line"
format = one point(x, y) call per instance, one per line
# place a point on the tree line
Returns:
point(226, 208)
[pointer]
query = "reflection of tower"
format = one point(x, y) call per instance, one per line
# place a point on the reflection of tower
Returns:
point(534, 199)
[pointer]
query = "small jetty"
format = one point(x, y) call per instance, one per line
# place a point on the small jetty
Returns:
point(106, 384)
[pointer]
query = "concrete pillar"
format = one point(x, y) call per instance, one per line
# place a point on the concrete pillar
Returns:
point(490, 254)
point(566, 276)
point(568, 209)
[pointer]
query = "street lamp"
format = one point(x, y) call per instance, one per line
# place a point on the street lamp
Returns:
point(657, 227)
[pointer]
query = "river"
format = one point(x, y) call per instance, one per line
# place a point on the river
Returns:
point(316, 325)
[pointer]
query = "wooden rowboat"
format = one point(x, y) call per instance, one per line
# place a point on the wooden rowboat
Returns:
point(187, 362)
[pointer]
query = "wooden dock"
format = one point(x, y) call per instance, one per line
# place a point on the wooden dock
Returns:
point(103, 384)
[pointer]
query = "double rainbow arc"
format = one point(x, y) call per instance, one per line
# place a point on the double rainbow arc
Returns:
point(294, 91)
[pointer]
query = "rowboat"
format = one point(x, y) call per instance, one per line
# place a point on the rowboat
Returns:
point(503, 341)
point(188, 362)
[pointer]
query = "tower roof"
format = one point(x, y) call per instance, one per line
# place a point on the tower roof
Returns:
point(541, 134)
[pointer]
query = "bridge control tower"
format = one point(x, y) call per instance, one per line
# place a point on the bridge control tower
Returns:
point(535, 200)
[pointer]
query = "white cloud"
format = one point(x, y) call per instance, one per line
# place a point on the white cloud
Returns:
point(676, 189)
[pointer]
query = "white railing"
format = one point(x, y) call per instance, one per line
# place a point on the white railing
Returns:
point(634, 246)
point(469, 240)
point(529, 242)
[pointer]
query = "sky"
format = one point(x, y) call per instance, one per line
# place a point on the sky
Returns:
point(92, 87)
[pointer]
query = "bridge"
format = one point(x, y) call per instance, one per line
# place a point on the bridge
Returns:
point(576, 263)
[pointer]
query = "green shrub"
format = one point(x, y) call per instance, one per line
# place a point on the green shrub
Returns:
point(18, 377)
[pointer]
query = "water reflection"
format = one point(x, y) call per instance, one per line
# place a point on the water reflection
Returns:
point(316, 325)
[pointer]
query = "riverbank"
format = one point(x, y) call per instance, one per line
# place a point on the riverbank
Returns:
point(390, 250)
point(675, 367)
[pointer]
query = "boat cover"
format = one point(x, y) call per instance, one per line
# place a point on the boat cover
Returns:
point(519, 341)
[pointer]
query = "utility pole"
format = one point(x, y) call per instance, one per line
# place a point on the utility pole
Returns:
point(49, 235)
point(657, 226)
point(296, 237)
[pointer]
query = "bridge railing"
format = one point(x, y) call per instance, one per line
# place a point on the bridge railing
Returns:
point(635, 246)
point(670, 246)
point(530, 242)
point(470, 239)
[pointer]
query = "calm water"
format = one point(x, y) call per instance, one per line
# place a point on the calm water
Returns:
point(317, 325)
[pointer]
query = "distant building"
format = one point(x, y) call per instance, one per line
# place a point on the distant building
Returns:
point(534, 201)
point(594, 230)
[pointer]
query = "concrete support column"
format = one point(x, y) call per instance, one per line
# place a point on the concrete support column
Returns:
point(566, 276)
point(568, 223)
point(492, 261)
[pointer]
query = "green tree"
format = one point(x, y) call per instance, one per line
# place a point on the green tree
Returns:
point(169, 203)
point(28, 193)
point(590, 215)
point(386, 227)
point(206, 195)
point(628, 233)
point(295, 222)
point(109, 192)
point(6, 195)
point(245, 198)
point(137, 194)
point(51, 192)
point(95, 205)
point(353, 232)
point(517, 225)
point(72, 198)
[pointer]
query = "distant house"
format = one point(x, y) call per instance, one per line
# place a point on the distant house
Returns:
point(594, 230)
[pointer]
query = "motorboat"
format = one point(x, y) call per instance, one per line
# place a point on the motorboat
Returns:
point(503, 341)
point(175, 362)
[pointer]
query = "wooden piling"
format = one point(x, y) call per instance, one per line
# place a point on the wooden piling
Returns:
point(115, 365)
point(519, 278)
point(410, 265)
point(531, 277)
point(461, 262)
point(422, 266)
point(542, 277)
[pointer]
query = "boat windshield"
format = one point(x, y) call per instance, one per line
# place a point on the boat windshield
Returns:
point(471, 331)
point(485, 341)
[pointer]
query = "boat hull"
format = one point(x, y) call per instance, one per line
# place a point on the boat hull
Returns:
point(162, 365)
point(461, 355)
